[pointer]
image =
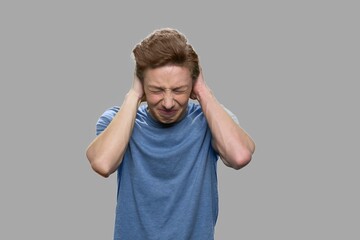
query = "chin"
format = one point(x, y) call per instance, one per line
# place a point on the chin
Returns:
point(169, 120)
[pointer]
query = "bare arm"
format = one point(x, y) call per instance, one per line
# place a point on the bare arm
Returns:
point(233, 144)
point(106, 151)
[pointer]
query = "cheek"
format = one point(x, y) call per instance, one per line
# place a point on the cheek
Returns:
point(153, 99)
point(182, 99)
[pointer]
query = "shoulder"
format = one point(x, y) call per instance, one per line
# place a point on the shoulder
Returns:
point(141, 114)
point(195, 111)
point(194, 108)
point(106, 118)
point(109, 113)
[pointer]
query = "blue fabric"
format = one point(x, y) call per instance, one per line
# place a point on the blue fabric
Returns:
point(167, 181)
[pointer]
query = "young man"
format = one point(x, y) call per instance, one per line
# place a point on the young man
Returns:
point(165, 151)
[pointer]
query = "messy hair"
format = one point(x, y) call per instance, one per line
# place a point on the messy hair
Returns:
point(165, 47)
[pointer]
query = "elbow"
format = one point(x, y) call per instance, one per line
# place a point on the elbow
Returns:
point(241, 160)
point(238, 156)
point(98, 165)
point(101, 169)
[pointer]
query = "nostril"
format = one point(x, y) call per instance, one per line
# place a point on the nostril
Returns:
point(168, 103)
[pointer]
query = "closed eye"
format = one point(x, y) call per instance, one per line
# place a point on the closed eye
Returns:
point(156, 90)
point(180, 90)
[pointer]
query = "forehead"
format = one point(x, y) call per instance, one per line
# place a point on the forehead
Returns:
point(168, 76)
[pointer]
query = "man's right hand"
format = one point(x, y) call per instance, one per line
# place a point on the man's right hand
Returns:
point(138, 88)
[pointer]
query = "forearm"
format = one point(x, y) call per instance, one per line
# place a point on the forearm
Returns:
point(233, 144)
point(105, 153)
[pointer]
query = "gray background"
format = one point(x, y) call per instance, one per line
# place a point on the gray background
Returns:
point(287, 69)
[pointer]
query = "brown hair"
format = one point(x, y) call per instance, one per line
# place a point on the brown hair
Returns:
point(163, 47)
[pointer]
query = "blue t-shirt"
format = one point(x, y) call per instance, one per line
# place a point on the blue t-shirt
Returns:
point(167, 181)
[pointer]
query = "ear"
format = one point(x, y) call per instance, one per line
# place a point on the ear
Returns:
point(192, 94)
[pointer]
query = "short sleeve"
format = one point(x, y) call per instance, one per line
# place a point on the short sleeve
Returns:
point(105, 119)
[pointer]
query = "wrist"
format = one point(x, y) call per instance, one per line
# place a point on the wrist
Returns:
point(134, 95)
point(203, 93)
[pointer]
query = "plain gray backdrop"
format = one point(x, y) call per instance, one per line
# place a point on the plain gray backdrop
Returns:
point(289, 70)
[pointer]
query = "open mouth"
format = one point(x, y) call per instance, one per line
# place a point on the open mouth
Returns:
point(167, 113)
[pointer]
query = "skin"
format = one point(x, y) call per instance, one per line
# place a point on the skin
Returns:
point(167, 91)
point(233, 144)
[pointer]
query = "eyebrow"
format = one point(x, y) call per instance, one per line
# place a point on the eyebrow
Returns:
point(152, 86)
point(178, 87)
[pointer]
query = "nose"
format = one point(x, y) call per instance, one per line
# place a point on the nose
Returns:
point(168, 100)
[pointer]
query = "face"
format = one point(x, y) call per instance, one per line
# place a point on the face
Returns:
point(167, 91)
